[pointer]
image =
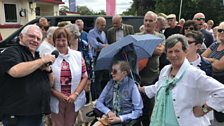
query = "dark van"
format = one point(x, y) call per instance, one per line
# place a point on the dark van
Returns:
point(135, 21)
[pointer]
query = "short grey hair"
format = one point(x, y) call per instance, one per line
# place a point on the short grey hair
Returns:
point(74, 29)
point(26, 28)
point(174, 39)
point(50, 31)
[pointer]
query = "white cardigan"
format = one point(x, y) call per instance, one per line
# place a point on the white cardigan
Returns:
point(192, 90)
point(74, 58)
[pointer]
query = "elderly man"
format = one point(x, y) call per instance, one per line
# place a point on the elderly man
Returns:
point(119, 30)
point(200, 20)
point(97, 40)
point(97, 37)
point(151, 70)
point(24, 79)
point(173, 27)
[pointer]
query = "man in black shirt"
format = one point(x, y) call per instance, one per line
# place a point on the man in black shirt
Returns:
point(25, 81)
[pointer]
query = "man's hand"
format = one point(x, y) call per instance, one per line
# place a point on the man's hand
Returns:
point(111, 114)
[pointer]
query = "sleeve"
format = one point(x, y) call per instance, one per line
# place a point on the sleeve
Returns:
point(137, 106)
point(100, 101)
point(213, 46)
point(214, 88)
point(8, 58)
point(93, 42)
point(151, 90)
point(84, 71)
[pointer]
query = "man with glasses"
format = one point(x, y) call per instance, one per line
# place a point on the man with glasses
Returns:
point(25, 81)
point(200, 20)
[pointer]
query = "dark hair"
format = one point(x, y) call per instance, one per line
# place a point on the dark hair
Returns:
point(124, 65)
point(189, 23)
point(196, 35)
point(61, 32)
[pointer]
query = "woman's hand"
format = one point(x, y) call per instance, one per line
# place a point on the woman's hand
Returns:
point(114, 120)
point(111, 114)
point(60, 96)
point(71, 98)
point(198, 112)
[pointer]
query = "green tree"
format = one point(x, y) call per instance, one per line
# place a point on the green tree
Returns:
point(84, 10)
point(63, 9)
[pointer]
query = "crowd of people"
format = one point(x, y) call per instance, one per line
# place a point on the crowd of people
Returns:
point(181, 84)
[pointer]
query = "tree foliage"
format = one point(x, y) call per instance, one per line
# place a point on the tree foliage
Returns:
point(83, 10)
point(213, 9)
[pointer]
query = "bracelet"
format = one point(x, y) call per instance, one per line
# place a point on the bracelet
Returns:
point(76, 93)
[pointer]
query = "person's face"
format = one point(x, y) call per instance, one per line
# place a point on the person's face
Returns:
point(101, 25)
point(200, 20)
point(221, 32)
point(176, 55)
point(31, 39)
point(171, 22)
point(117, 74)
point(193, 47)
point(80, 25)
point(188, 29)
point(61, 44)
point(116, 23)
point(149, 23)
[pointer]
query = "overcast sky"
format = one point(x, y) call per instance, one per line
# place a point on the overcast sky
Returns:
point(97, 5)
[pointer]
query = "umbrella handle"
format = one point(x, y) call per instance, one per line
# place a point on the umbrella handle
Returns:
point(132, 76)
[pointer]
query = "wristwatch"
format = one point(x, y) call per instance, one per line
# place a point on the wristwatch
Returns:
point(204, 109)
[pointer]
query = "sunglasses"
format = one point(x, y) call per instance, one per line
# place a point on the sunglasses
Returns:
point(114, 71)
point(200, 19)
point(220, 30)
point(190, 42)
point(189, 28)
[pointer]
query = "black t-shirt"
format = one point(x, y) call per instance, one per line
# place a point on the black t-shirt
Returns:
point(29, 95)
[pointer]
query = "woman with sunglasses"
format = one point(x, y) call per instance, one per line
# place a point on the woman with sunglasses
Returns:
point(183, 91)
point(189, 26)
point(215, 55)
point(120, 101)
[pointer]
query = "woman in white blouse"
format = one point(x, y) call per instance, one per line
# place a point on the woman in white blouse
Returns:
point(182, 91)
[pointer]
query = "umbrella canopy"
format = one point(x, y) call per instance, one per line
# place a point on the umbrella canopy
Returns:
point(144, 46)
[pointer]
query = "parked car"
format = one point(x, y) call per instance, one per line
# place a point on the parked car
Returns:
point(89, 21)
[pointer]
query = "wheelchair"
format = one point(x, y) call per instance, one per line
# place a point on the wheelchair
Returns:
point(97, 114)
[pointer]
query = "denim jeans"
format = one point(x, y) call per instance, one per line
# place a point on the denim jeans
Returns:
point(31, 120)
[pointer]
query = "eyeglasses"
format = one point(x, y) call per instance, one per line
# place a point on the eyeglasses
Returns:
point(114, 71)
point(220, 30)
point(190, 42)
point(189, 28)
point(200, 19)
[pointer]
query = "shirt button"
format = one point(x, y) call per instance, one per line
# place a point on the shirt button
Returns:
point(174, 99)
point(178, 117)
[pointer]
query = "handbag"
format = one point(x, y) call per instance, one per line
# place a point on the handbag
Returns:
point(82, 114)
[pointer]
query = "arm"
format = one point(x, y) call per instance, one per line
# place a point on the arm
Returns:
point(93, 42)
point(100, 101)
point(206, 52)
point(25, 68)
point(218, 65)
point(81, 85)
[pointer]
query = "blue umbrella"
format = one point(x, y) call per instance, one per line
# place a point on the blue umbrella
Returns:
point(144, 46)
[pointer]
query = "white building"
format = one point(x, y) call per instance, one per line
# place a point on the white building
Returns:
point(15, 13)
